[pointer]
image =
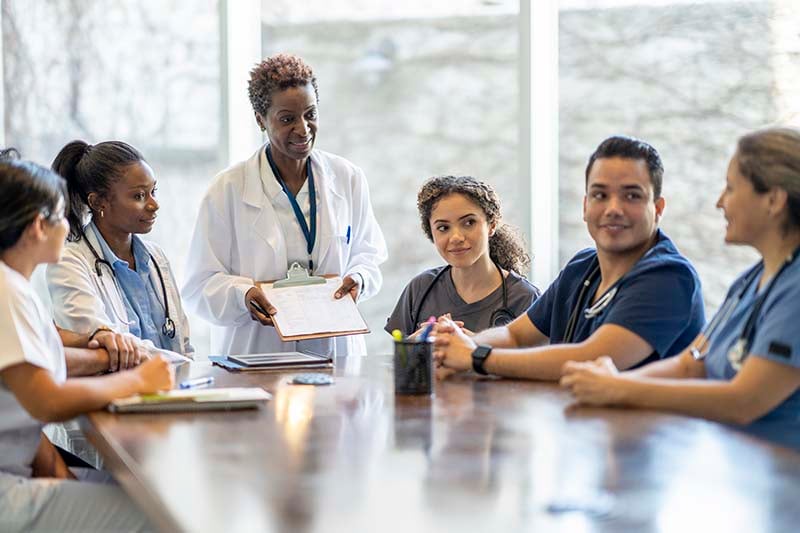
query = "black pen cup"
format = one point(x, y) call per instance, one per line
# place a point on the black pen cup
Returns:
point(413, 367)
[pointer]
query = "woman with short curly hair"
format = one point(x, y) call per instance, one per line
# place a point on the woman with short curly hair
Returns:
point(288, 203)
point(482, 284)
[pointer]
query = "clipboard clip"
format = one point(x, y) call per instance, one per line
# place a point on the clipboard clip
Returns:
point(297, 276)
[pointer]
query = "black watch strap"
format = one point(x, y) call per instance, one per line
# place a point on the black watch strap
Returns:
point(479, 356)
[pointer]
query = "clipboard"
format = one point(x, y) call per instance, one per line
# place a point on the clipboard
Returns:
point(307, 309)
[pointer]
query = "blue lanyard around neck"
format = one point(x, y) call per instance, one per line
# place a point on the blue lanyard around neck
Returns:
point(310, 234)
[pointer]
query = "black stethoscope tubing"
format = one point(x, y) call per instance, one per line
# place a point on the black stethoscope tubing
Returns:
point(503, 313)
point(588, 278)
point(745, 340)
point(168, 328)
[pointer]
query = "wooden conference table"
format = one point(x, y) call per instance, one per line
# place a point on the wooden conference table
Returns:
point(481, 455)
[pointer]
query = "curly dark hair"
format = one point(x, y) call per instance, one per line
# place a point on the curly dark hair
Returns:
point(276, 73)
point(506, 246)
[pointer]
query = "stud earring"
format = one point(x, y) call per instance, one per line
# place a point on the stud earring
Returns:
point(102, 213)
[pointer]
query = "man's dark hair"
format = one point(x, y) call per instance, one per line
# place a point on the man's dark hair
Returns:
point(631, 148)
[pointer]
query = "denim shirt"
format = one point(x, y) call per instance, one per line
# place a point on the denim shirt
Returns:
point(146, 313)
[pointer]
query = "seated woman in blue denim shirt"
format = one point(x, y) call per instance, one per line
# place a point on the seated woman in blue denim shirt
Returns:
point(108, 277)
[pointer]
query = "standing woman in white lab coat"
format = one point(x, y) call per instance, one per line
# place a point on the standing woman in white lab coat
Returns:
point(287, 203)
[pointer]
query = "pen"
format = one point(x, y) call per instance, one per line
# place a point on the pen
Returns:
point(258, 308)
point(423, 337)
point(348, 234)
point(195, 383)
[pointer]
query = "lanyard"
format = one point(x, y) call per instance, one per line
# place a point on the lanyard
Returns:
point(310, 234)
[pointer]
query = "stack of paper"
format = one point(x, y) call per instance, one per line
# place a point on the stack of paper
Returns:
point(311, 311)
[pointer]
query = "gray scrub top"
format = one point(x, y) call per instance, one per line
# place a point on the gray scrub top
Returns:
point(443, 298)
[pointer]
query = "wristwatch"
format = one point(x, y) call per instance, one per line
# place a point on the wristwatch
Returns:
point(479, 356)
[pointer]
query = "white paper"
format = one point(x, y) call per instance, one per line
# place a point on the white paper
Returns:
point(312, 309)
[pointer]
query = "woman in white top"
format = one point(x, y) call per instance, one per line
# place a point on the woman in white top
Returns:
point(33, 385)
point(287, 203)
point(110, 278)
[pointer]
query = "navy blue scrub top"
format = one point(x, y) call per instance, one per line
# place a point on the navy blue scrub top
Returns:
point(659, 299)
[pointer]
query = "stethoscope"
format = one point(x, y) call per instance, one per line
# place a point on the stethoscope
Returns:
point(741, 348)
point(500, 317)
point(168, 328)
point(595, 309)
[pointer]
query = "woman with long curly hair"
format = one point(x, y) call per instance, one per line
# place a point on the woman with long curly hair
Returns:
point(483, 284)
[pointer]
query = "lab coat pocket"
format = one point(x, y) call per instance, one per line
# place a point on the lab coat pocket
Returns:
point(336, 256)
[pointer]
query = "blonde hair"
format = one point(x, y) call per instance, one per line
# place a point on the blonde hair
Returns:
point(769, 158)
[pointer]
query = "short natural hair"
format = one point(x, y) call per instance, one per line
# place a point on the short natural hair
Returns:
point(26, 191)
point(631, 148)
point(770, 158)
point(277, 73)
point(506, 246)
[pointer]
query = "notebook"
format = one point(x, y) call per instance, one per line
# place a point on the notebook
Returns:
point(222, 399)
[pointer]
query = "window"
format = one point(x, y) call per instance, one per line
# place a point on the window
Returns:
point(689, 77)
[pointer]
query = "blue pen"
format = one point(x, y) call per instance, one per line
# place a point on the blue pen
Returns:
point(195, 383)
point(423, 337)
point(348, 234)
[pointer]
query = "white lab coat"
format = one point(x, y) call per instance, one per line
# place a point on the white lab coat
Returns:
point(238, 239)
point(84, 301)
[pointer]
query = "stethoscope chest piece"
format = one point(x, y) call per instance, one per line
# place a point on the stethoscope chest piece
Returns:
point(736, 353)
point(168, 328)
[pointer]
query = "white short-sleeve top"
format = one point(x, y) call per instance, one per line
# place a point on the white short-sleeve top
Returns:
point(27, 335)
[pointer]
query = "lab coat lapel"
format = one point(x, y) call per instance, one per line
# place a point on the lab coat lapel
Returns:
point(331, 201)
point(165, 286)
point(106, 283)
point(265, 224)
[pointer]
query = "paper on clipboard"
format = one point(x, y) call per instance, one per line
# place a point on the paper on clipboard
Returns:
point(311, 311)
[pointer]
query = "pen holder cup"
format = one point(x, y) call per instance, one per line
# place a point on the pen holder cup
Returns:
point(413, 367)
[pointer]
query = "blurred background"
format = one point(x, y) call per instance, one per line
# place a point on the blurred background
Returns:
point(414, 89)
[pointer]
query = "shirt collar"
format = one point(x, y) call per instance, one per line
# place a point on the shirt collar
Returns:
point(270, 182)
point(140, 253)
